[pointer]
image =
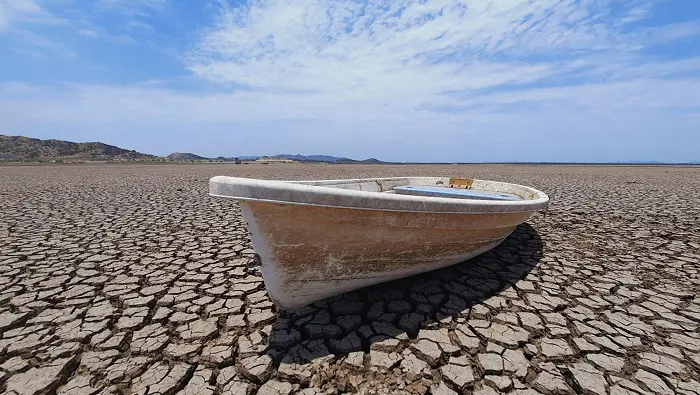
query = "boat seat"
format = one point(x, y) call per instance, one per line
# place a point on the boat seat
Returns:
point(458, 193)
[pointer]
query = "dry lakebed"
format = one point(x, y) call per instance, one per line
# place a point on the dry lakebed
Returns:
point(129, 278)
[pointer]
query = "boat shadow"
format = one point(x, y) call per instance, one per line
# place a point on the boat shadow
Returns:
point(380, 316)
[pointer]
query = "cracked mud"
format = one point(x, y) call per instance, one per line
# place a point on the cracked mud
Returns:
point(131, 279)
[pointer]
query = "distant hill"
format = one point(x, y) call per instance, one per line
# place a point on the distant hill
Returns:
point(373, 160)
point(328, 159)
point(315, 158)
point(185, 156)
point(25, 149)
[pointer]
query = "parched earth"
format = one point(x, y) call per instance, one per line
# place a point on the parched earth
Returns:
point(131, 279)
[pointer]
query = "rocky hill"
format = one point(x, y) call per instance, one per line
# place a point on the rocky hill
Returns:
point(25, 149)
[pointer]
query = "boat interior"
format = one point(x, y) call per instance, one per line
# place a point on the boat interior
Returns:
point(448, 187)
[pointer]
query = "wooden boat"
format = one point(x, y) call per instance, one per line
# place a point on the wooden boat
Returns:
point(321, 238)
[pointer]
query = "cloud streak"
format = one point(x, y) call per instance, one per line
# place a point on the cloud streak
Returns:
point(133, 7)
point(20, 12)
point(416, 55)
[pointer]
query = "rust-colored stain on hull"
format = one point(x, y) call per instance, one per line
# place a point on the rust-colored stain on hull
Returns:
point(321, 238)
point(315, 243)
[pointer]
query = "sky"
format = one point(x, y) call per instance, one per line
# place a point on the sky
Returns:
point(407, 80)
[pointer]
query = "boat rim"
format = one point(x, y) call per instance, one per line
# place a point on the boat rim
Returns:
point(317, 193)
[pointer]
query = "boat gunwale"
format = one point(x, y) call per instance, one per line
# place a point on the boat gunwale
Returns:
point(317, 193)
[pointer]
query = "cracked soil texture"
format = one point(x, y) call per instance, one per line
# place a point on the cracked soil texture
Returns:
point(131, 279)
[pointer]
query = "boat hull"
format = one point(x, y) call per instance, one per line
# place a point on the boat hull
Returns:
point(311, 252)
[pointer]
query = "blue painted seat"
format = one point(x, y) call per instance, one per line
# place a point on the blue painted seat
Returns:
point(458, 193)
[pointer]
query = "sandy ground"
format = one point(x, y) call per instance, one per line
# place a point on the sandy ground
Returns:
point(131, 279)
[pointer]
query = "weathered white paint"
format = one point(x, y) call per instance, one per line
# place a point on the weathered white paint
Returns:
point(268, 267)
point(362, 194)
point(290, 292)
point(299, 294)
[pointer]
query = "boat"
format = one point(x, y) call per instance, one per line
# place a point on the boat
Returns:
point(317, 239)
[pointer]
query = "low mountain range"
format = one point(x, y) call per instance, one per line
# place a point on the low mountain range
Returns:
point(186, 156)
point(327, 159)
point(25, 149)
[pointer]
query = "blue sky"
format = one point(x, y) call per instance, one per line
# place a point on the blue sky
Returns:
point(489, 80)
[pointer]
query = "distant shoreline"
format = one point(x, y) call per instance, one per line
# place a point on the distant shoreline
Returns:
point(26, 150)
point(231, 163)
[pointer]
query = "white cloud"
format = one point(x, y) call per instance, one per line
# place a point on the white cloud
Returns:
point(411, 54)
point(12, 11)
point(19, 20)
point(152, 104)
point(634, 120)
